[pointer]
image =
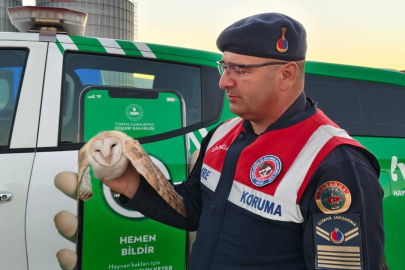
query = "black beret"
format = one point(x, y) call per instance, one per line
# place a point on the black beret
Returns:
point(267, 35)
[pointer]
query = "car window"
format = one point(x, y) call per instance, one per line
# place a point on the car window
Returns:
point(82, 70)
point(12, 63)
point(363, 108)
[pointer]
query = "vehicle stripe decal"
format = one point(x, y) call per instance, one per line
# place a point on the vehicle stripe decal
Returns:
point(129, 48)
point(203, 132)
point(60, 47)
point(192, 147)
point(198, 135)
point(67, 43)
point(88, 44)
point(194, 140)
point(111, 46)
point(104, 45)
point(144, 49)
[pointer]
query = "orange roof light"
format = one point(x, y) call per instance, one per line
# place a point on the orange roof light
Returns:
point(36, 19)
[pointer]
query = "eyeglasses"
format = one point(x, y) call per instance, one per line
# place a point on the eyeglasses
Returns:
point(232, 69)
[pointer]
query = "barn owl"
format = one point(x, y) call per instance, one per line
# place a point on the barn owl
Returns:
point(109, 153)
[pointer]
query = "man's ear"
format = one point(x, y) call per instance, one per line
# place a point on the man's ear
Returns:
point(288, 75)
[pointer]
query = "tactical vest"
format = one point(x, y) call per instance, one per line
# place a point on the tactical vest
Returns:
point(274, 170)
point(251, 188)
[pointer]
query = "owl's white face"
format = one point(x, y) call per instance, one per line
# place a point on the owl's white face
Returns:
point(107, 152)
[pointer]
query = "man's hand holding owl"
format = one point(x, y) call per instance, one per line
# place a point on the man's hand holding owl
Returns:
point(127, 184)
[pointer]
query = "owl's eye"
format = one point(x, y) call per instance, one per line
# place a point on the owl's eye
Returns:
point(97, 150)
point(113, 145)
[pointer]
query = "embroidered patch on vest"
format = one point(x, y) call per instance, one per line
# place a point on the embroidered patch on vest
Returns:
point(337, 242)
point(265, 170)
point(333, 197)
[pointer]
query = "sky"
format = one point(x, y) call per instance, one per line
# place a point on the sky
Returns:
point(354, 32)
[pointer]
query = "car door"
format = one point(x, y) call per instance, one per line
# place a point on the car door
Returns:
point(22, 65)
point(44, 200)
point(73, 64)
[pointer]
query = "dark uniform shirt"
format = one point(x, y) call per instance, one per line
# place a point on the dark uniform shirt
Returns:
point(230, 242)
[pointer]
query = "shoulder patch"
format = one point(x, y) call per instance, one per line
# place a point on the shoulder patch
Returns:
point(333, 197)
point(337, 242)
point(265, 170)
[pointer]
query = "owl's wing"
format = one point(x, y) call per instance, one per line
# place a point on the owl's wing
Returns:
point(145, 166)
point(85, 191)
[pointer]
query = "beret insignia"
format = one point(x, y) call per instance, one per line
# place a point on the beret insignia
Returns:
point(333, 197)
point(282, 43)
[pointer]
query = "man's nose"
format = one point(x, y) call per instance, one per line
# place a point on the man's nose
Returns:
point(226, 81)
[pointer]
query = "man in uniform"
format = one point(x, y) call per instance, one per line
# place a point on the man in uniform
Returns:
point(281, 186)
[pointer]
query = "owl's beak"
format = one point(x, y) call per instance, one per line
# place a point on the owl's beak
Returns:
point(106, 152)
point(107, 157)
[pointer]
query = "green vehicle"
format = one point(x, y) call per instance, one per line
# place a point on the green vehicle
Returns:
point(43, 76)
point(367, 103)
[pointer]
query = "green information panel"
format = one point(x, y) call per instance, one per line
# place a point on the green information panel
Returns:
point(112, 236)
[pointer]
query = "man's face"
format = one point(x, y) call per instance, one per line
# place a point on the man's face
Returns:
point(252, 94)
